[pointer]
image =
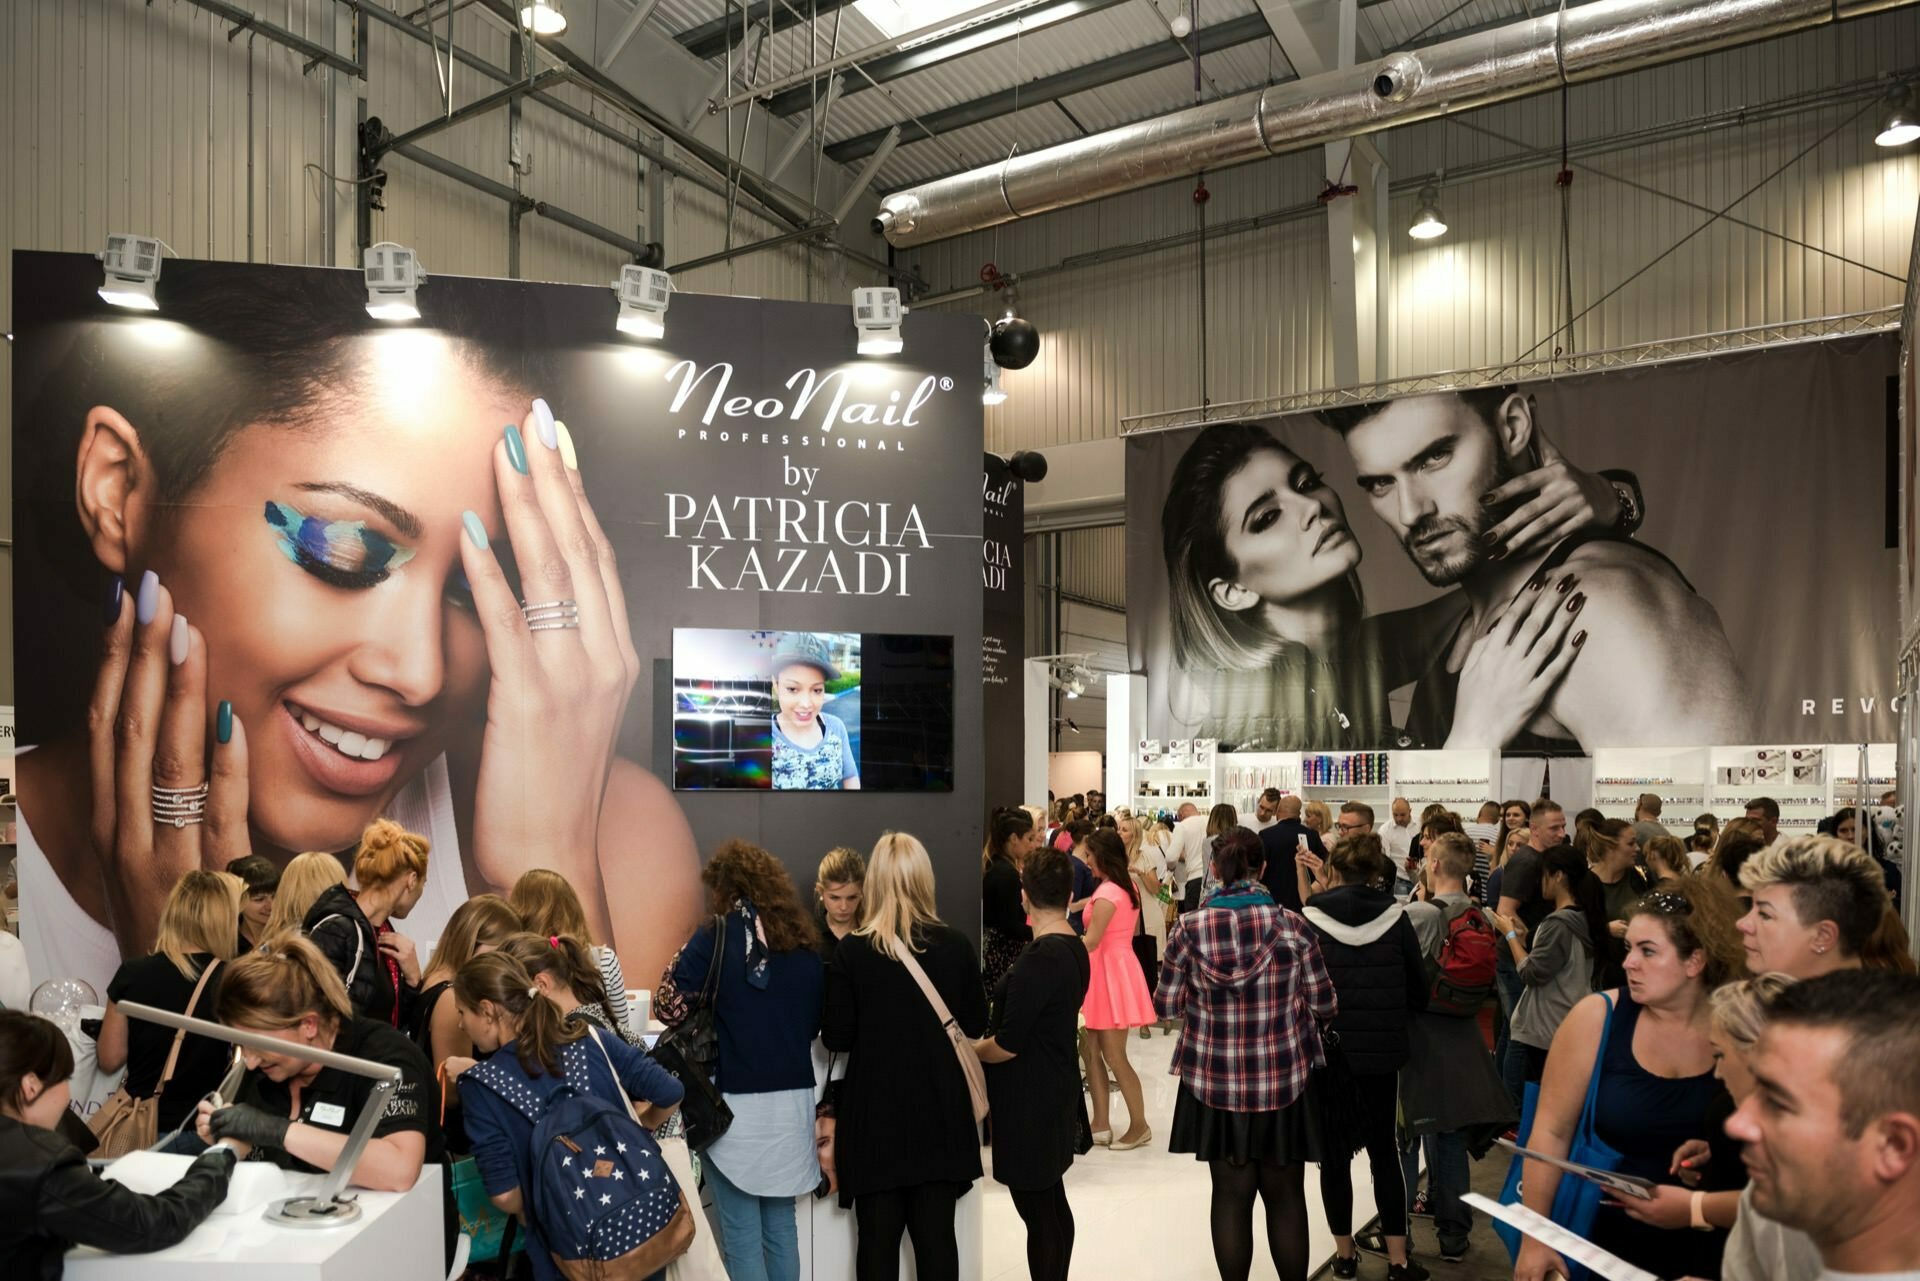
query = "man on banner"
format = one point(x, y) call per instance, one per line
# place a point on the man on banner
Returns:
point(1656, 666)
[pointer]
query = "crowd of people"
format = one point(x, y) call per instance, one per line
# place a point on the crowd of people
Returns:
point(1735, 1026)
point(1646, 995)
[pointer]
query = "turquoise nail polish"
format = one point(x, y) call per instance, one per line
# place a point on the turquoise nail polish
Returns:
point(516, 451)
point(223, 722)
point(475, 530)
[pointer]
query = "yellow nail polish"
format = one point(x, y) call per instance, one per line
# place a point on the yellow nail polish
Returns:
point(567, 456)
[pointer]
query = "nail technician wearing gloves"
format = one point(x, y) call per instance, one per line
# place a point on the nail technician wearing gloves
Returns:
point(50, 1199)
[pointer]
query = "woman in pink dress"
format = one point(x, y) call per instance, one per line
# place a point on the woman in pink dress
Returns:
point(1117, 997)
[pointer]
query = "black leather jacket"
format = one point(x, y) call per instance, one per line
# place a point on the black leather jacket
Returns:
point(51, 1201)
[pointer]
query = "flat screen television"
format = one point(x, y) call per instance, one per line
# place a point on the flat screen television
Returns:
point(812, 711)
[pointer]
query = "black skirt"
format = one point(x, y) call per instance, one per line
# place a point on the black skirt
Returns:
point(1293, 1135)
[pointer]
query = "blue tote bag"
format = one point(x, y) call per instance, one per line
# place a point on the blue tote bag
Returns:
point(1577, 1202)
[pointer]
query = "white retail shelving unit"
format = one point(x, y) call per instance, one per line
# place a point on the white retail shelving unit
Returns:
point(1244, 775)
point(1677, 775)
point(1795, 775)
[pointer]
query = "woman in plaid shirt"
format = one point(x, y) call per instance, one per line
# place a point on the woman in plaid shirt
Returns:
point(1246, 977)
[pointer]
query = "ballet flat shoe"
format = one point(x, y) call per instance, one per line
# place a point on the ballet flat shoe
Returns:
point(1121, 1145)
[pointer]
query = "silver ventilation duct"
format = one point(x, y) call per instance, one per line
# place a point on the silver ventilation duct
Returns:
point(1604, 38)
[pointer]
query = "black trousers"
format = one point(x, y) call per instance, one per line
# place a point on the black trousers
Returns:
point(1379, 1112)
point(1049, 1221)
point(925, 1214)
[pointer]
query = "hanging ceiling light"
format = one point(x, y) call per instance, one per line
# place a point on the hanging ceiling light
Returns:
point(1427, 222)
point(132, 271)
point(543, 17)
point(1900, 124)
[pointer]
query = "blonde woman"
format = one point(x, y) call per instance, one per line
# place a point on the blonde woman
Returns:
point(199, 928)
point(1145, 863)
point(1319, 816)
point(904, 1155)
point(304, 879)
point(297, 1113)
point(354, 928)
point(838, 888)
point(546, 903)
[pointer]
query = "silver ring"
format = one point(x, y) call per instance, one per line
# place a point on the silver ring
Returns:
point(179, 807)
point(566, 625)
point(551, 615)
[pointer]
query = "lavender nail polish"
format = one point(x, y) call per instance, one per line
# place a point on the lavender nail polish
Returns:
point(116, 591)
point(543, 424)
point(147, 603)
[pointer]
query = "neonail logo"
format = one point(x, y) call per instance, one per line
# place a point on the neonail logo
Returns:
point(823, 401)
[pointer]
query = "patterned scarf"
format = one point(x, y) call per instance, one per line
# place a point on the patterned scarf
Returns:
point(1239, 894)
point(757, 952)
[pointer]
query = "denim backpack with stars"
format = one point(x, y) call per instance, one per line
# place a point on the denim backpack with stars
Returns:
point(600, 1194)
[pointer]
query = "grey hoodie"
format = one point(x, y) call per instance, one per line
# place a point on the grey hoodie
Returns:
point(1557, 973)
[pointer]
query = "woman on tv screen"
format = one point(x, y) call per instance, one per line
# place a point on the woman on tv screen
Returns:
point(812, 750)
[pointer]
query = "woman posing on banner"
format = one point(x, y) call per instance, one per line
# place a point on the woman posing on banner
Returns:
point(1270, 634)
point(312, 539)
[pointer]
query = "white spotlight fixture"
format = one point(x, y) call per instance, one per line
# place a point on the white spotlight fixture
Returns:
point(644, 294)
point(133, 269)
point(543, 17)
point(876, 319)
point(991, 392)
point(1900, 124)
point(394, 273)
point(1427, 222)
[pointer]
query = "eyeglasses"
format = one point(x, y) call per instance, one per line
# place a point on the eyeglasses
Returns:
point(1351, 828)
point(1667, 903)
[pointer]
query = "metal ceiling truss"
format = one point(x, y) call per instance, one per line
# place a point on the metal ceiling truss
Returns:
point(710, 39)
point(1638, 355)
point(246, 21)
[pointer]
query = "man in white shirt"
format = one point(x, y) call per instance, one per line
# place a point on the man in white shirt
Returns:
point(1832, 1128)
point(1266, 811)
point(1398, 835)
point(1187, 863)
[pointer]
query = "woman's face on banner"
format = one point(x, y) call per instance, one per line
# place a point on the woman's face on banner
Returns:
point(802, 692)
point(1284, 527)
point(349, 681)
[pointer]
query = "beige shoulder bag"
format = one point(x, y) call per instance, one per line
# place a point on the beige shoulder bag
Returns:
point(125, 1124)
point(962, 1046)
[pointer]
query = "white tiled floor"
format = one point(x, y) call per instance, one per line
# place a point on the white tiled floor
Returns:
point(1143, 1214)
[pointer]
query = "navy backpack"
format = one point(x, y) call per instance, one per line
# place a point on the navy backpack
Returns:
point(600, 1193)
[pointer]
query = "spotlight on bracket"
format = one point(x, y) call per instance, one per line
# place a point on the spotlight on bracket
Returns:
point(132, 271)
point(876, 320)
point(394, 275)
point(644, 294)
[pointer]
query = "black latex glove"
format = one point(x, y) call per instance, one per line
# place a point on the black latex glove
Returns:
point(249, 1124)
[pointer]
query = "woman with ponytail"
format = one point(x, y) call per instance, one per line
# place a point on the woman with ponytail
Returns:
point(566, 974)
point(535, 1052)
point(1560, 969)
point(290, 992)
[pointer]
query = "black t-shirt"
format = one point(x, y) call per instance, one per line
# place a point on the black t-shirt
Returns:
point(1036, 1095)
point(154, 980)
point(1520, 881)
point(333, 1099)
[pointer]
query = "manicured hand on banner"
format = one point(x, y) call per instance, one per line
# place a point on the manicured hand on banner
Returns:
point(1517, 662)
point(557, 696)
point(1563, 500)
point(149, 726)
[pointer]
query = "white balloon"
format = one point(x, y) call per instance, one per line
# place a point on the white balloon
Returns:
point(1182, 24)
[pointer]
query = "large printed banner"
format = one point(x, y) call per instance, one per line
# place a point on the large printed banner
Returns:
point(260, 499)
point(1693, 554)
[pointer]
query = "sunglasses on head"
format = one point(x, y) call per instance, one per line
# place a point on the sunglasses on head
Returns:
point(1667, 903)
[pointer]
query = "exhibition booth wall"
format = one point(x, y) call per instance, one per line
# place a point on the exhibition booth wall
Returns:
point(302, 479)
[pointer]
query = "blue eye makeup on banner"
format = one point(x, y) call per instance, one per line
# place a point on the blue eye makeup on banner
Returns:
point(344, 553)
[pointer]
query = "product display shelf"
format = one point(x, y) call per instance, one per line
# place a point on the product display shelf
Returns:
point(1158, 787)
point(1244, 775)
point(1792, 775)
point(1460, 780)
point(1339, 777)
point(1882, 762)
point(1678, 776)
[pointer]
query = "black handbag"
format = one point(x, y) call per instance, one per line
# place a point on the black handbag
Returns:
point(690, 1052)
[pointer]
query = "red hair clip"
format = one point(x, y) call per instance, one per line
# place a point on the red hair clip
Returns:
point(553, 940)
